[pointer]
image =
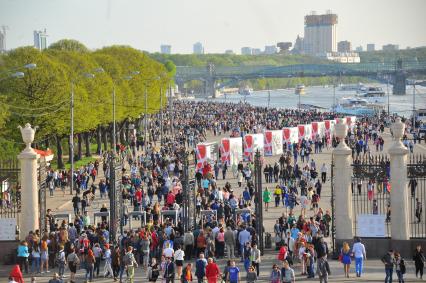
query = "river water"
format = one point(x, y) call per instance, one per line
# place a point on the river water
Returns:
point(323, 97)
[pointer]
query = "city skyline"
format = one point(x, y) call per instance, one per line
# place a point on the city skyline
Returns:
point(146, 25)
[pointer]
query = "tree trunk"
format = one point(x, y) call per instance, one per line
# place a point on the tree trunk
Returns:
point(47, 143)
point(79, 147)
point(127, 131)
point(69, 150)
point(105, 138)
point(98, 140)
point(121, 133)
point(59, 152)
point(87, 142)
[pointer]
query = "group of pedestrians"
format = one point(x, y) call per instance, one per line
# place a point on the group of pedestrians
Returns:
point(225, 225)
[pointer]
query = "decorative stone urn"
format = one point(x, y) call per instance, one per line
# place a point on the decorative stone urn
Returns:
point(341, 129)
point(27, 136)
point(398, 129)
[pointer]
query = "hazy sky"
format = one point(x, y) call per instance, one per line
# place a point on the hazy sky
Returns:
point(218, 24)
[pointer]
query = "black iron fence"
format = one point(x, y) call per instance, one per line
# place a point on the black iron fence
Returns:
point(10, 197)
point(416, 173)
point(371, 189)
point(42, 187)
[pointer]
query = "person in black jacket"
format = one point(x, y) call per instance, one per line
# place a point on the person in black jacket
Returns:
point(419, 259)
point(169, 271)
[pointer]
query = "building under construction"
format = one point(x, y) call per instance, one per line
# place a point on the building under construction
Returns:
point(320, 34)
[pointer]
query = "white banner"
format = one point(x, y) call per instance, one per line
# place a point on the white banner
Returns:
point(8, 229)
point(371, 225)
point(273, 142)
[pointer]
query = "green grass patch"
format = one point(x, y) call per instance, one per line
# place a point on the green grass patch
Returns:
point(77, 164)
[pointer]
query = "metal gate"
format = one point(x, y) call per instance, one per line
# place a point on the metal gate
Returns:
point(42, 185)
point(416, 173)
point(10, 197)
point(332, 224)
point(371, 189)
point(116, 201)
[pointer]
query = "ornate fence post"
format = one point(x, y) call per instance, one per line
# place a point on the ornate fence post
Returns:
point(258, 198)
point(399, 192)
point(342, 185)
point(29, 216)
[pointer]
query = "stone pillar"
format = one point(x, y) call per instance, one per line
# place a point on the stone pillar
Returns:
point(400, 217)
point(342, 184)
point(29, 216)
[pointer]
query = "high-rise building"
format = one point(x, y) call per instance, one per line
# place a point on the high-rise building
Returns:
point(320, 33)
point(229, 51)
point(256, 51)
point(166, 49)
point(246, 51)
point(40, 39)
point(2, 41)
point(198, 48)
point(390, 47)
point(359, 49)
point(270, 49)
point(371, 47)
point(344, 46)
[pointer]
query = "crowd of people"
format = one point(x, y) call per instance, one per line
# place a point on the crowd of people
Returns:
point(225, 220)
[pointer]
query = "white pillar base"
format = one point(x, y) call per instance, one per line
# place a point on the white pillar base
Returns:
point(29, 216)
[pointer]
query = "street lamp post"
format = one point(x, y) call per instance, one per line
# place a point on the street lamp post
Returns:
point(71, 140)
point(334, 96)
point(414, 106)
point(269, 96)
point(161, 114)
point(146, 119)
point(114, 135)
point(258, 204)
point(387, 90)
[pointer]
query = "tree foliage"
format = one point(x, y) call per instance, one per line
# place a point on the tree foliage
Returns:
point(42, 97)
point(69, 45)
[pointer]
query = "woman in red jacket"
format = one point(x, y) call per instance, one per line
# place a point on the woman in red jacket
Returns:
point(212, 271)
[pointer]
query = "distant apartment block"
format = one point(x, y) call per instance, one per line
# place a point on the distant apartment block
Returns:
point(198, 48)
point(166, 49)
point(390, 47)
point(371, 47)
point(256, 51)
point(270, 49)
point(359, 49)
point(229, 51)
point(40, 39)
point(246, 51)
point(344, 46)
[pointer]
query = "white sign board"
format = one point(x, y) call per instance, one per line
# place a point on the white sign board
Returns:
point(371, 225)
point(8, 229)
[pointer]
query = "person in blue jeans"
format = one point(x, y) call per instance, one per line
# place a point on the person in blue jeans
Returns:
point(388, 260)
point(359, 253)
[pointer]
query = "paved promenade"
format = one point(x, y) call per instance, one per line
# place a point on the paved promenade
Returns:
point(374, 270)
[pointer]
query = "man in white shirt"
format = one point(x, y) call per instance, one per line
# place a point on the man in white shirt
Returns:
point(323, 173)
point(358, 250)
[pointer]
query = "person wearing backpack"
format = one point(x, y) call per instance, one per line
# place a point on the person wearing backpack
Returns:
point(73, 262)
point(399, 267)
point(323, 269)
point(61, 261)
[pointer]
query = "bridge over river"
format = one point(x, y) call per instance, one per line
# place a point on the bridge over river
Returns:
point(397, 71)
